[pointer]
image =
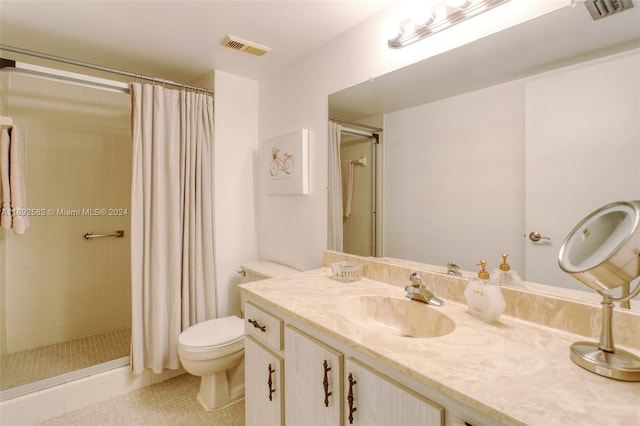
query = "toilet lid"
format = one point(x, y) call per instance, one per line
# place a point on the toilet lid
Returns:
point(214, 332)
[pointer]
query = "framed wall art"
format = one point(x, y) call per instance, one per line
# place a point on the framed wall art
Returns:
point(284, 164)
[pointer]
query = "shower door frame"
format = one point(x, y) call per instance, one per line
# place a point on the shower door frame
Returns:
point(376, 186)
point(38, 385)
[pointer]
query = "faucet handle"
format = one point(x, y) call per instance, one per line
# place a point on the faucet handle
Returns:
point(453, 269)
point(416, 279)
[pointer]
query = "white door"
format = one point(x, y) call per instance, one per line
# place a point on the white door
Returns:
point(582, 152)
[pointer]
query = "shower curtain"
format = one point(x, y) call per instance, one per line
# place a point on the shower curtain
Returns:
point(172, 250)
point(335, 208)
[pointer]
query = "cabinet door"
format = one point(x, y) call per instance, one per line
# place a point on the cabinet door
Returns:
point(372, 399)
point(313, 380)
point(263, 385)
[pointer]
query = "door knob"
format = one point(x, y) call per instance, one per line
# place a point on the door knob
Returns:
point(535, 237)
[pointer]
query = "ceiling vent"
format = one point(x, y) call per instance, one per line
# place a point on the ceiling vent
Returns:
point(241, 45)
point(602, 8)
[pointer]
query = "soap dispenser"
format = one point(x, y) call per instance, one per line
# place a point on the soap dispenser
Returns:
point(506, 276)
point(484, 297)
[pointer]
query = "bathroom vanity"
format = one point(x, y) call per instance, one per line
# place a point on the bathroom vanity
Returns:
point(320, 351)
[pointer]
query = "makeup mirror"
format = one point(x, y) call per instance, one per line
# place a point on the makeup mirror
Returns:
point(603, 253)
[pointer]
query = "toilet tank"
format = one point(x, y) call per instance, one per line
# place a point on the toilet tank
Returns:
point(260, 270)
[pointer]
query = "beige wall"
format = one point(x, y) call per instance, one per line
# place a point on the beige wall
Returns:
point(236, 153)
point(59, 286)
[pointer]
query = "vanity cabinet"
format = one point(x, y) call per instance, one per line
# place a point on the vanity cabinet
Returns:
point(372, 399)
point(313, 380)
point(377, 374)
point(307, 382)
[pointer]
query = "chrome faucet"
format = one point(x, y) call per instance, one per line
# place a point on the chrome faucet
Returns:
point(416, 291)
point(453, 269)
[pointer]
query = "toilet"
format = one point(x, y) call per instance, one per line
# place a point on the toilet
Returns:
point(214, 349)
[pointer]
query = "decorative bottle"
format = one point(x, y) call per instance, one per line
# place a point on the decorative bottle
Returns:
point(484, 297)
point(506, 276)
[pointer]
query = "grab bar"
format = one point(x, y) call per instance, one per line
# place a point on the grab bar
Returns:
point(89, 235)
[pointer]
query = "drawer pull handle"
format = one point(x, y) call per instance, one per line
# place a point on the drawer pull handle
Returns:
point(255, 323)
point(352, 408)
point(325, 383)
point(270, 383)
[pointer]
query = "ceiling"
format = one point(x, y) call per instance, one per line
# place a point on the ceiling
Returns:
point(179, 40)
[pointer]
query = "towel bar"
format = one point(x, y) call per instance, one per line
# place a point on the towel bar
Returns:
point(89, 235)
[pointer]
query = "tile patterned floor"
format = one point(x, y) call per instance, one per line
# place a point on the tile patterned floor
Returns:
point(168, 403)
point(41, 363)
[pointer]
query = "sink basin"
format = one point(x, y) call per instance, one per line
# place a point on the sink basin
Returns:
point(397, 316)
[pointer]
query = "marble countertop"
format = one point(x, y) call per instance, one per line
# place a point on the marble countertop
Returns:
point(514, 371)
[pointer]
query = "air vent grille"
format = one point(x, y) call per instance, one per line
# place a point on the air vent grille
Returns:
point(241, 45)
point(603, 8)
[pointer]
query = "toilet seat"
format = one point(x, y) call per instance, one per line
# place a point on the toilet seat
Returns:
point(212, 338)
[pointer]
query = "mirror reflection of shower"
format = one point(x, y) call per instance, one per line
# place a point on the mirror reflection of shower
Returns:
point(65, 302)
point(359, 154)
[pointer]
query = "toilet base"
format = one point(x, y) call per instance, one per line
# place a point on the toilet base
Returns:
point(222, 389)
point(229, 403)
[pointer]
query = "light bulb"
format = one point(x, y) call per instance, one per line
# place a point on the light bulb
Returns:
point(422, 16)
point(458, 3)
point(408, 28)
point(390, 30)
point(440, 14)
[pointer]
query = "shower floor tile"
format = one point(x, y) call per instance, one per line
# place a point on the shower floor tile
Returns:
point(29, 366)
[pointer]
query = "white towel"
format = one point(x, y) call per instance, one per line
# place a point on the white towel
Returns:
point(12, 182)
point(5, 188)
point(346, 168)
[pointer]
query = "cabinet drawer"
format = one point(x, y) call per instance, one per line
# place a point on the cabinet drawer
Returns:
point(266, 328)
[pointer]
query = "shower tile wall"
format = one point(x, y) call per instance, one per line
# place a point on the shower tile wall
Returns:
point(59, 286)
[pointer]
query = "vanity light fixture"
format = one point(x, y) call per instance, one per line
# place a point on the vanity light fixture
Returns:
point(438, 17)
point(603, 252)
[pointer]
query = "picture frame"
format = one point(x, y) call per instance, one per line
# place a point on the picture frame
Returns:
point(284, 164)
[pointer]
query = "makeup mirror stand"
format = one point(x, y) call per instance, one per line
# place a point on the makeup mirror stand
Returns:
point(603, 358)
point(603, 252)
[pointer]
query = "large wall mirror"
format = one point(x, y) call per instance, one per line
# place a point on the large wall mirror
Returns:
point(504, 144)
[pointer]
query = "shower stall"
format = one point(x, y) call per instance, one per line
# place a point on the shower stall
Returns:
point(359, 152)
point(65, 300)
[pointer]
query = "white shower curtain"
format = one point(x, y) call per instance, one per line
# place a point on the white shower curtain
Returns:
point(172, 252)
point(335, 208)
